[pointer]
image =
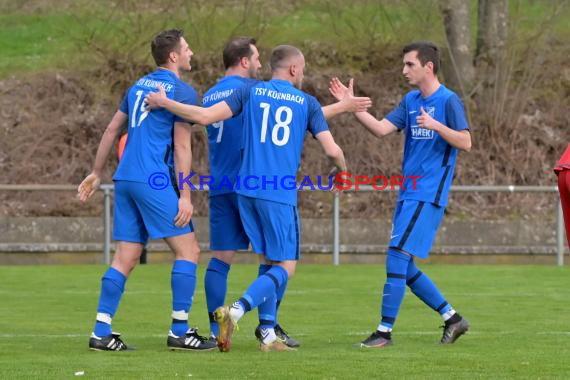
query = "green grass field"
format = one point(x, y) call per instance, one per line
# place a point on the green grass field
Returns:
point(519, 316)
point(66, 36)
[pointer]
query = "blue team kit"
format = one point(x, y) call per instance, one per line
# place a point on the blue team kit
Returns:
point(277, 116)
point(428, 155)
point(140, 212)
point(224, 155)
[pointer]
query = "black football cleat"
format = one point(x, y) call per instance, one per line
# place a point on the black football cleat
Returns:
point(107, 343)
point(377, 340)
point(192, 341)
point(453, 330)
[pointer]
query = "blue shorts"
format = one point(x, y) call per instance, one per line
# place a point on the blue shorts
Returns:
point(141, 212)
point(226, 229)
point(414, 227)
point(273, 228)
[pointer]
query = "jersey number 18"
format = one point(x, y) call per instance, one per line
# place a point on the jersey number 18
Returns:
point(281, 122)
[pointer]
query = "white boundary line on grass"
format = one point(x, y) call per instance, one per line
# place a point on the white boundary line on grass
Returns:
point(350, 333)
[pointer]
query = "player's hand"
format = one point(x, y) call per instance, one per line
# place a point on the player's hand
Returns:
point(88, 187)
point(426, 121)
point(185, 210)
point(339, 90)
point(334, 188)
point(155, 99)
point(356, 104)
point(345, 96)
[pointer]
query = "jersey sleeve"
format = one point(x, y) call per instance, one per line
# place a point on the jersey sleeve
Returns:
point(124, 107)
point(187, 95)
point(398, 115)
point(317, 121)
point(239, 98)
point(455, 114)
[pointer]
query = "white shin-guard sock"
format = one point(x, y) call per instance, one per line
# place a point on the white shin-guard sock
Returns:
point(236, 311)
point(268, 335)
point(448, 314)
point(383, 328)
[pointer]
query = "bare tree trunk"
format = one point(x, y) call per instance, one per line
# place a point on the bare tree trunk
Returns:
point(492, 30)
point(458, 66)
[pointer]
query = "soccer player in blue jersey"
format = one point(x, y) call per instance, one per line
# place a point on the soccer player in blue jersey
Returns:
point(277, 116)
point(227, 233)
point(147, 201)
point(433, 120)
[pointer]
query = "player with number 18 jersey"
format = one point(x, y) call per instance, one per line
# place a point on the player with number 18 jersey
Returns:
point(277, 116)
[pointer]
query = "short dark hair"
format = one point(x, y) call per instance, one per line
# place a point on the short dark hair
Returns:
point(236, 49)
point(282, 53)
point(427, 52)
point(164, 43)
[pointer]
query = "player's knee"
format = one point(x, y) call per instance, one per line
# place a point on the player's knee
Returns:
point(225, 256)
point(289, 267)
point(291, 272)
point(125, 264)
point(191, 253)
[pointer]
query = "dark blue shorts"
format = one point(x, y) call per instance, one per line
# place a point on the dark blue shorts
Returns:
point(226, 229)
point(141, 212)
point(415, 226)
point(273, 228)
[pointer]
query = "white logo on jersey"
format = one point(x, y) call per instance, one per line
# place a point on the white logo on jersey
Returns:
point(418, 133)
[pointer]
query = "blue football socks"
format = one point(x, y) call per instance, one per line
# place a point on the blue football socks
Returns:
point(112, 288)
point(394, 288)
point(183, 282)
point(264, 287)
point(216, 285)
point(424, 288)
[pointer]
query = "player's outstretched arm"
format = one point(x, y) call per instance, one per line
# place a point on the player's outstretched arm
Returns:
point(219, 111)
point(183, 164)
point(347, 102)
point(378, 128)
point(333, 152)
point(91, 183)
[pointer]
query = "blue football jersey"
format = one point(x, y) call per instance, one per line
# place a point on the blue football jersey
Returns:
point(276, 118)
point(149, 148)
point(224, 137)
point(426, 154)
